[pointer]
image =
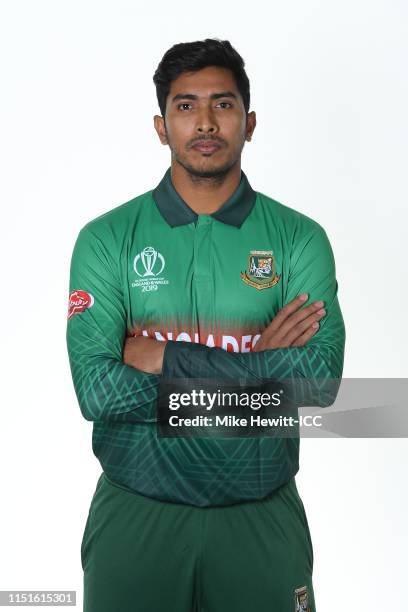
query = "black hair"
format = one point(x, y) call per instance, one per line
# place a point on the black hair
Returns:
point(191, 56)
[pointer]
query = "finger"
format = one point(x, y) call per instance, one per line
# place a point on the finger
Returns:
point(295, 319)
point(305, 337)
point(273, 330)
point(299, 328)
point(287, 310)
point(279, 327)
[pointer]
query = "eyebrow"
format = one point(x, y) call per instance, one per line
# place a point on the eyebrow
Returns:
point(214, 96)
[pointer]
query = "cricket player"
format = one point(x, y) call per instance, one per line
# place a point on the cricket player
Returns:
point(201, 277)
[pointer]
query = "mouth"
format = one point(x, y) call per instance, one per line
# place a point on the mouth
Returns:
point(206, 147)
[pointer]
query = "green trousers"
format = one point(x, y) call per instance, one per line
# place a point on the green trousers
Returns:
point(143, 555)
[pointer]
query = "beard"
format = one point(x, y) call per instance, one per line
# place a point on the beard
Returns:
point(206, 171)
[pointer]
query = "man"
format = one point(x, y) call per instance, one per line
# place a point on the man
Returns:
point(199, 278)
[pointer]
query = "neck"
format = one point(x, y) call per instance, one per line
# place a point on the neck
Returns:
point(205, 195)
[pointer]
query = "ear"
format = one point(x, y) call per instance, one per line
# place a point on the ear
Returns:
point(160, 128)
point(250, 126)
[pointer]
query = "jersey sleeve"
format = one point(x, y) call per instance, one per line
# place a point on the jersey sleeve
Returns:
point(106, 388)
point(316, 367)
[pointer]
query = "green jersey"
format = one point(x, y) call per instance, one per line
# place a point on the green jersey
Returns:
point(209, 284)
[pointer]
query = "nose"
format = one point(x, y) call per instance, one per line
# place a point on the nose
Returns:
point(206, 122)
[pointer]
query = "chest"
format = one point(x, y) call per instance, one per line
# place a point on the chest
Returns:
point(206, 282)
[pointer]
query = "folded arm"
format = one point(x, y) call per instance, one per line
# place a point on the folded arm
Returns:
point(315, 369)
point(106, 388)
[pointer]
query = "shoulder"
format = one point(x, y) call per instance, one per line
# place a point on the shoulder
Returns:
point(119, 219)
point(295, 222)
point(303, 236)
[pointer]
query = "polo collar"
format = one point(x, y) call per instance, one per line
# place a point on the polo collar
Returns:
point(177, 212)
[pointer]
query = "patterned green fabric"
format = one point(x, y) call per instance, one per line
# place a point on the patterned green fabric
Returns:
point(209, 284)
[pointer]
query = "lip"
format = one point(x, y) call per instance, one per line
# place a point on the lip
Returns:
point(206, 146)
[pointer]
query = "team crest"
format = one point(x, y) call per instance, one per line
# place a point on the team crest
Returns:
point(302, 600)
point(260, 270)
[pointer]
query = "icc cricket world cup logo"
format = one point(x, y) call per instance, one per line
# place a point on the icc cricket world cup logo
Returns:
point(148, 263)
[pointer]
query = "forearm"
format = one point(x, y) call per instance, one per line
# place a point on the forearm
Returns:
point(311, 372)
point(108, 390)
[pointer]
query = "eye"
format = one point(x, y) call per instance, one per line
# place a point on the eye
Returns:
point(183, 104)
point(229, 104)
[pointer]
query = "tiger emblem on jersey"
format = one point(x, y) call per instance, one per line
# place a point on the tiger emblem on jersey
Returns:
point(302, 600)
point(260, 272)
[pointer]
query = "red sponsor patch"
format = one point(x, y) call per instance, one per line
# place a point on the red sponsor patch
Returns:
point(78, 302)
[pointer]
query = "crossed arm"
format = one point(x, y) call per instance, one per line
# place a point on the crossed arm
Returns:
point(117, 379)
point(292, 326)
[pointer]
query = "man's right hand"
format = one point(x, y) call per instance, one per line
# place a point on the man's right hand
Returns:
point(292, 326)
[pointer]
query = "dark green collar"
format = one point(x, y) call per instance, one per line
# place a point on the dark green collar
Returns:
point(176, 212)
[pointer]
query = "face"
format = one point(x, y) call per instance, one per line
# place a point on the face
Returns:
point(205, 124)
